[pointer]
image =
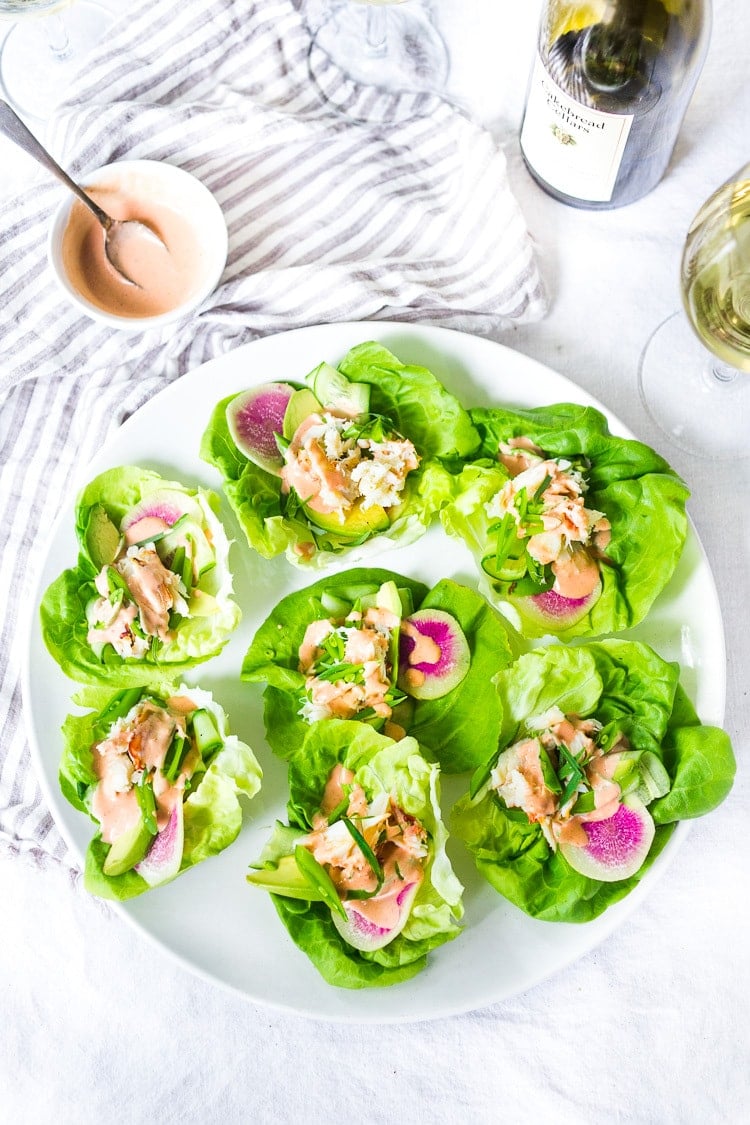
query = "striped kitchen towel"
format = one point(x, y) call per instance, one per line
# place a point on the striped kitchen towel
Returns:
point(409, 216)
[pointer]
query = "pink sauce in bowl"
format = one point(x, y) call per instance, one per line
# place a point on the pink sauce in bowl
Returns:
point(172, 281)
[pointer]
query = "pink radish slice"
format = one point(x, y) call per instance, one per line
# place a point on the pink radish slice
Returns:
point(551, 608)
point(162, 861)
point(616, 847)
point(254, 418)
point(362, 933)
point(163, 507)
point(444, 658)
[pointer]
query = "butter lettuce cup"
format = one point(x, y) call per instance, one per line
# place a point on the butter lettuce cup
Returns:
point(371, 645)
point(158, 771)
point(575, 531)
point(150, 595)
point(360, 452)
point(360, 876)
point(600, 754)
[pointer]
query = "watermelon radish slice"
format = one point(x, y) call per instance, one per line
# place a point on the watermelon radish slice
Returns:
point(434, 655)
point(162, 861)
point(616, 847)
point(555, 612)
point(159, 510)
point(364, 934)
point(254, 418)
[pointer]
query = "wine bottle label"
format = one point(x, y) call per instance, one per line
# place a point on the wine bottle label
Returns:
point(575, 149)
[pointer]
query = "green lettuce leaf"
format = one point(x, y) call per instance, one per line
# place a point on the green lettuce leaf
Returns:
point(212, 811)
point(630, 689)
point(633, 486)
point(380, 766)
point(415, 404)
point(63, 606)
point(460, 729)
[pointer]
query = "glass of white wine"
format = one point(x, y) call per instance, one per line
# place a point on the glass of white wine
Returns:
point(44, 47)
point(390, 44)
point(699, 397)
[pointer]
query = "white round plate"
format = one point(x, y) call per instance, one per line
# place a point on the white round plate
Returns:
point(209, 917)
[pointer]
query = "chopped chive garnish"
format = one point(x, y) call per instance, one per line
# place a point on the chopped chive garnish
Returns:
point(339, 811)
point(363, 846)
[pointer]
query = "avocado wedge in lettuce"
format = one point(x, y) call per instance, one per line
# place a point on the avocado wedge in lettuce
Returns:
point(188, 547)
point(459, 728)
point(402, 399)
point(673, 766)
point(630, 485)
point(382, 770)
point(207, 767)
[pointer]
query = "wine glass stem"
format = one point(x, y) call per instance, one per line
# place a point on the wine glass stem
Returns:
point(723, 372)
point(375, 33)
point(57, 35)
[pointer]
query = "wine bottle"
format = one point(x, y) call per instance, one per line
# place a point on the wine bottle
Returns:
point(608, 93)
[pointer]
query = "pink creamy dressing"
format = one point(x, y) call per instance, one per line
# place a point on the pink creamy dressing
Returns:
point(424, 651)
point(402, 866)
point(565, 521)
point(520, 780)
point(142, 744)
point(366, 646)
point(166, 276)
point(145, 529)
point(152, 586)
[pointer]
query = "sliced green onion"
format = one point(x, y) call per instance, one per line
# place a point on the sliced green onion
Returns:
point(319, 879)
point(551, 780)
point(349, 673)
point(147, 802)
point(175, 756)
point(339, 811)
point(117, 708)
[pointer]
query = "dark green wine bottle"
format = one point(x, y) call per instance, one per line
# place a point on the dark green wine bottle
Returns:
point(608, 93)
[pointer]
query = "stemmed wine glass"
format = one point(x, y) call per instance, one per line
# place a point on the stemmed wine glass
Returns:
point(389, 44)
point(44, 48)
point(701, 399)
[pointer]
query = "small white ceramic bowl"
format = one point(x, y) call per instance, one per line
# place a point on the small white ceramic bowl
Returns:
point(184, 193)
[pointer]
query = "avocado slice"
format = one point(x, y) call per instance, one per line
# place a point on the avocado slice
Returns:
point(335, 390)
point(358, 522)
point(286, 879)
point(301, 405)
point(102, 538)
point(129, 848)
point(389, 598)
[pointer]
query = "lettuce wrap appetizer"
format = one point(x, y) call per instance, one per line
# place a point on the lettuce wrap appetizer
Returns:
point(360, 876)
point(576, 531)
point(600, 754)
point(158, 771)
point(150, 595)
point(360, 452)
point(372, 645)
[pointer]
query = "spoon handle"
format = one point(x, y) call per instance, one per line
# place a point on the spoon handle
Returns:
point(13, 128)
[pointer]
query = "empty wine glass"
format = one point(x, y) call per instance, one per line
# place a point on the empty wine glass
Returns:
point(701, 399)
point(44, 48)
point(390, 44)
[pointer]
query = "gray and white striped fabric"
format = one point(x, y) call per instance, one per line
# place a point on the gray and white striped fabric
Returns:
point(407, 217)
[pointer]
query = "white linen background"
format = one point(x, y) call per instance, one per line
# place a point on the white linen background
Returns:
point(98, 1025)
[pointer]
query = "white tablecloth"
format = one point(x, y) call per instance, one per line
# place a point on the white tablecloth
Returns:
point(100, 1026)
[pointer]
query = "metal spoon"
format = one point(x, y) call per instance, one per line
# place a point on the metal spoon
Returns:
point(117, 233)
